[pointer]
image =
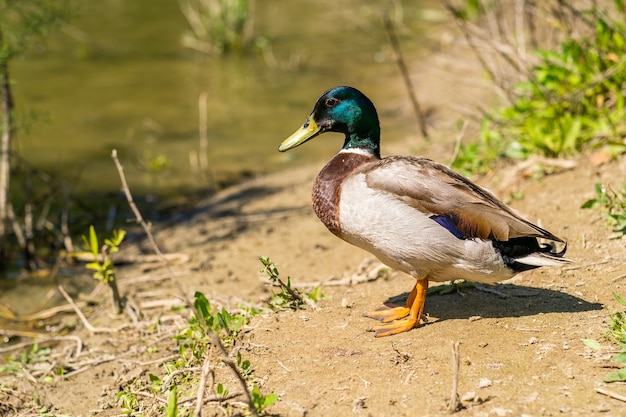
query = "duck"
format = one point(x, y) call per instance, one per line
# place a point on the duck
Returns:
point(415, 215)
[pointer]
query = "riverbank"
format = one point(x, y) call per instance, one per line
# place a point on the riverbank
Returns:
point(520, 341)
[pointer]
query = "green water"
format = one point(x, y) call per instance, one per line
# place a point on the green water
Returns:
point(117, 77)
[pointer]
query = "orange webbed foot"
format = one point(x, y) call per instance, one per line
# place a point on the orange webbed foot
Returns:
point(410, 314)
point(387, 314)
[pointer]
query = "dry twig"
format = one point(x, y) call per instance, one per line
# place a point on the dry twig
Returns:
point(611, 394)
point(206, 370)
point(455, 402)
point(397, 51)
point(457, 144)
point(82, 317)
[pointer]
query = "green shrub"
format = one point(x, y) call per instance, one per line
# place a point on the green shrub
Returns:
point(570, 100)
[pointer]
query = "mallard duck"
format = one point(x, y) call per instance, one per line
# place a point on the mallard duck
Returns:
point(413, 214)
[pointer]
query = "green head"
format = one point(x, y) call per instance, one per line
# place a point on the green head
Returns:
point(345, 110)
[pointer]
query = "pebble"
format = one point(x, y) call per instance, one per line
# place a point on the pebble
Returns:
point(484, 383)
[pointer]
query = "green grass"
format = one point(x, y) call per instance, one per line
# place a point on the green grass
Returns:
point(612, 204)
point(617, 334)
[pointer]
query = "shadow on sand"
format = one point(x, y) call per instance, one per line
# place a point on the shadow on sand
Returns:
point(499, 301)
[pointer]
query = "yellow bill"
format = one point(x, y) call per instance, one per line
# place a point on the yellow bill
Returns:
point(308, 130)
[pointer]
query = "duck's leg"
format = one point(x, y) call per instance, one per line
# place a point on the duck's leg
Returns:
point(416, 309)
point(386, 313)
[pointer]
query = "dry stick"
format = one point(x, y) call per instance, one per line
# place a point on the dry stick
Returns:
point(397, 51)
point(206, 369)
point(486, 64)
point(203, 147)
point(455, 402)
point(611, 394)
point(214, 338)
point(457, 145)
point(82, 317)
point(7, 128)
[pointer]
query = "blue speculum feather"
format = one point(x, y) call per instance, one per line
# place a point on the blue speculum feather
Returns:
point(449, 225)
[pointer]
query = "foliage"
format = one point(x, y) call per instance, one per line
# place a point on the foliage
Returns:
point(21, 23)
point(287, 297)
point(26, 357)
point(260, 401)
point(218, 26)
point(613, 206)
point(220, 321)
point(570, 100)
point(617, 333)
point(478, 157)
point(128, 402)
point(453, 286)
point(172, 403)
point(195, 343)
point(102, 263)
point(24, 21)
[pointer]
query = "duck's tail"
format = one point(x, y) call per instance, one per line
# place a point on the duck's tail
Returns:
point(522, 254)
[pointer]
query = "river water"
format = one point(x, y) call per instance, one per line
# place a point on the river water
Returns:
point(118, 77)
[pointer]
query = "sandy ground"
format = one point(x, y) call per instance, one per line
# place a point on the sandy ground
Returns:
point(520, 341)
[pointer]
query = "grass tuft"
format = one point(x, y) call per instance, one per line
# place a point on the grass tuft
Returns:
point(613, 206)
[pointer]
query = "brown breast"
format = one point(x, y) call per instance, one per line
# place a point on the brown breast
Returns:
point(327, 186)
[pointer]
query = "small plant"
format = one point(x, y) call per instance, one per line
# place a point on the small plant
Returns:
point(260, 401)
point(617, 333)
point(453, 286)
point(195, 342)
point(128, 402)
point(27, 357)
point(244, 365)
point(613, 206)
point(287, 297)
point(220, 321)
point(221, 390)
point(102, 263)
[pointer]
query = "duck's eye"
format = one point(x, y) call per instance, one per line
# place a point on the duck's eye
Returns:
point(331, 102)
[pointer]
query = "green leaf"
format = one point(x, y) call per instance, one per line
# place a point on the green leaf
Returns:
point(617, 376)
point(619, 299)
point(172, 402)
point(221, 390)
point(155, 383)
point(592, 344)
point(201, 303)
point(620, 357)
point(93, 241)
point(589, 203)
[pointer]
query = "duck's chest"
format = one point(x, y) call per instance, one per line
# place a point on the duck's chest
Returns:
point(327, 187)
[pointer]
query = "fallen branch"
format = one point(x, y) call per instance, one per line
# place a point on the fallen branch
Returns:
point(82, 317)
point(611, 394)
point(206, 370)
point(39, 341)
point(360, 276)
point(176, 258)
